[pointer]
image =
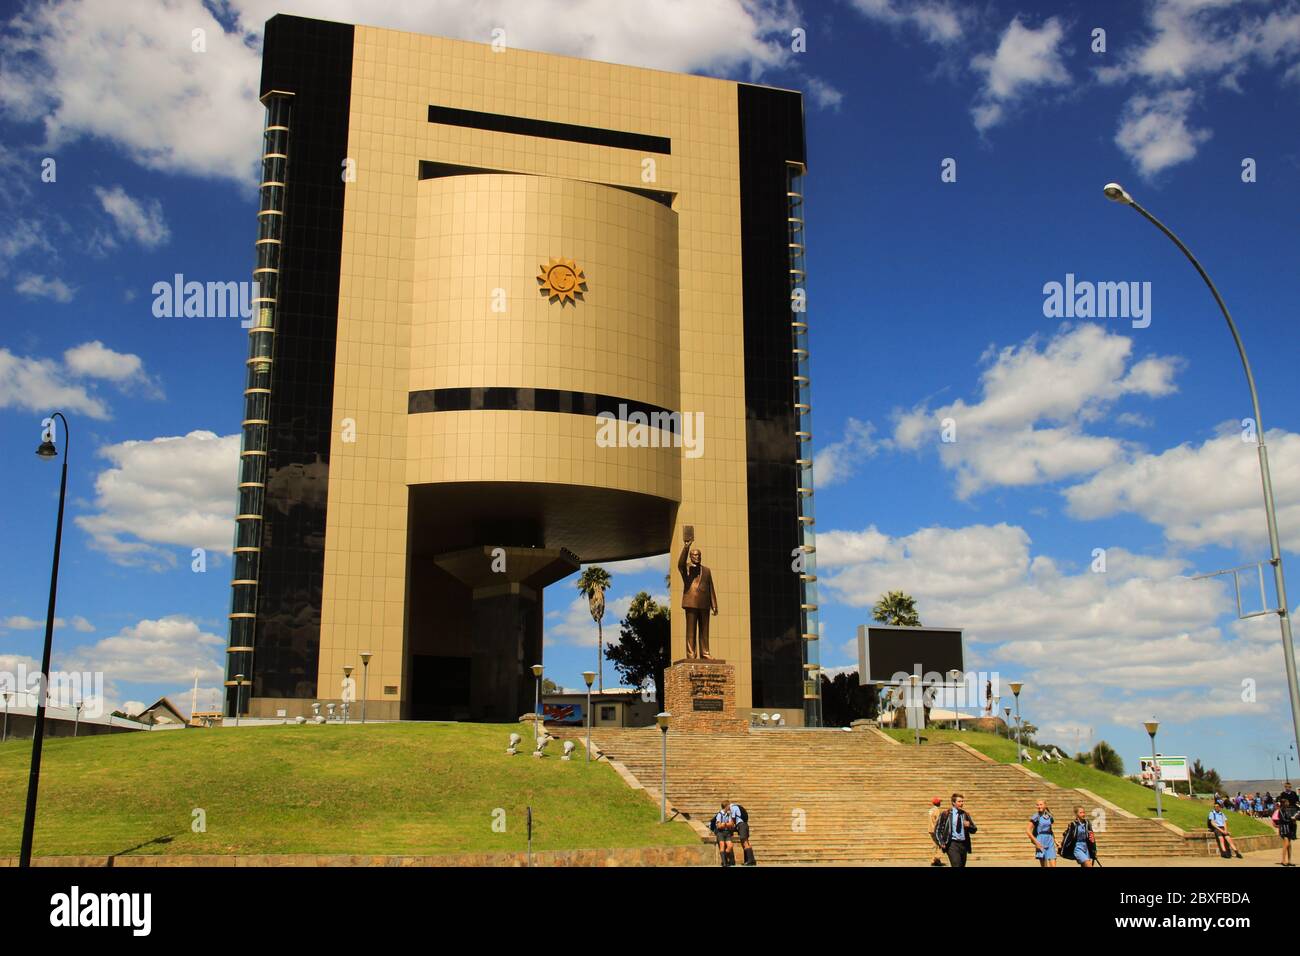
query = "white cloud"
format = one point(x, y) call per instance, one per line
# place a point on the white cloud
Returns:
point(1027, 426)
point(1026, 59)
point(177, 490)
point(20, 236)
point(39, 287)
point(839, 460)
point(1199, 494)
point(126, 72)
point(824, 96)
point(20, 622)
point(656, 562)
point(1141, 636)
point(1154, 131)
point(937, 22)
point(96, 360)
point(41, 385)
point(162, 650)
point(1190, 38)
point(135, 220)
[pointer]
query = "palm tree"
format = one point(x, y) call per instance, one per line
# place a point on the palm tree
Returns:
point(592, 584)
point(898, 608)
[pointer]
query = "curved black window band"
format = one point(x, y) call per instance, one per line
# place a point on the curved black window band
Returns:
point(526, 400)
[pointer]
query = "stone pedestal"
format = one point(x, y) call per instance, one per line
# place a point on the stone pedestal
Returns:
point(701, 696)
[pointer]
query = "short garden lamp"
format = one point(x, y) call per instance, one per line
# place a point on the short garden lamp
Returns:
point(1152, 726)
point(1015, 686)
point(537, 701)
point(661, 719)
point(365, 681)
point(588, 677)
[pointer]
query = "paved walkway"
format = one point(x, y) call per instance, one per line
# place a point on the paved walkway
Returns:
point(1260, 858)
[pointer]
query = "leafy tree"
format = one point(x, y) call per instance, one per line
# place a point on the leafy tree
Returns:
point(549, 686)
point(1205, 781)
point(592, 584)
point(897, 608)
point(844, 700)
point(642, 652)
point(1104, 758)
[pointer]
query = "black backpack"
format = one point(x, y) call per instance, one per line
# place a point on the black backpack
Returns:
point(744, 814)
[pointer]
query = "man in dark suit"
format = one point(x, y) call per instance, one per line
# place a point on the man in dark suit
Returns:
point(699, 599)
point(953, 832)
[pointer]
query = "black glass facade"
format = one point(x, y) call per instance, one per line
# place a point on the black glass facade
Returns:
point(771, 136)
point(312, 60)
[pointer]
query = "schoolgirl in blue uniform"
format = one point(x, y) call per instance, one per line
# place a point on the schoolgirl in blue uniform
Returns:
point(1040, 833)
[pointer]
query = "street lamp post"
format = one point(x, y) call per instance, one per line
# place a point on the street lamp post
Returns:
point(76, 720)
point(365, 682)
point(537, 701)
point(1152, 726)
point(1016, 687)
point(1116, 193)
point(662, 720)
point(5, 736)
point(956, 676)
point(588, 677)
point(1006, 712)
point(45, 450)
point(914, 705)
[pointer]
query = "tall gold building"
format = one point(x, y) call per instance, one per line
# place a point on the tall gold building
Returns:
point(517, 312)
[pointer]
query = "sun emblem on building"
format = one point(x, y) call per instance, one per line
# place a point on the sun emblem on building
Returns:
point(561, 279)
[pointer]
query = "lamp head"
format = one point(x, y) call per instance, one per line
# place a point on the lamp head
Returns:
point(588, 678)
point(1117, 193)
point(537, 670)
point(46, 449)
point(662, 720)
point(1015, 686)
point(1152, 726)
point(365, 658)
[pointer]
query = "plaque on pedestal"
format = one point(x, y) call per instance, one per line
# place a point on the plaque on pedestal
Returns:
point(701, 696)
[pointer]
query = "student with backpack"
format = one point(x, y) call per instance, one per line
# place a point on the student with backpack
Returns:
point(741, 817)
point(1218, 823)
point(1080, 842)
point(723, 825)
point(1285, 818)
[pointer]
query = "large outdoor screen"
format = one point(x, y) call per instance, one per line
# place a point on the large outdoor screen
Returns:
point(888, 654)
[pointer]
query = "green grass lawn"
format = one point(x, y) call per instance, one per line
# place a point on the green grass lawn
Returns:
point(383, 788)
point(1135, 798)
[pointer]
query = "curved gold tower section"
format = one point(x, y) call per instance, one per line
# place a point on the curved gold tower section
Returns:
point(544, 424)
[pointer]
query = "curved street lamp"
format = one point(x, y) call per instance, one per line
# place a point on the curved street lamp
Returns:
point(46, 450)
point(1117, 193)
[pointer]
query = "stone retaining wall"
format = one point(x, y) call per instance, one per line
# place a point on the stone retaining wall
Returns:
point(640, 856)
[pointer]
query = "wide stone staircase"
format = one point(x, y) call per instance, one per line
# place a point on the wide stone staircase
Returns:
point(837, 797)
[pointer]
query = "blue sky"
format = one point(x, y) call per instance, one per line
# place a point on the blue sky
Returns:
point(926, 303)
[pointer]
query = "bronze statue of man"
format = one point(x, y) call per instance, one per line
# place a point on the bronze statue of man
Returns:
point(699, 599)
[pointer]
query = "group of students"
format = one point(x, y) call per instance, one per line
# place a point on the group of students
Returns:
point(951, 832)
point(730, 826)
point(1259, 805)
